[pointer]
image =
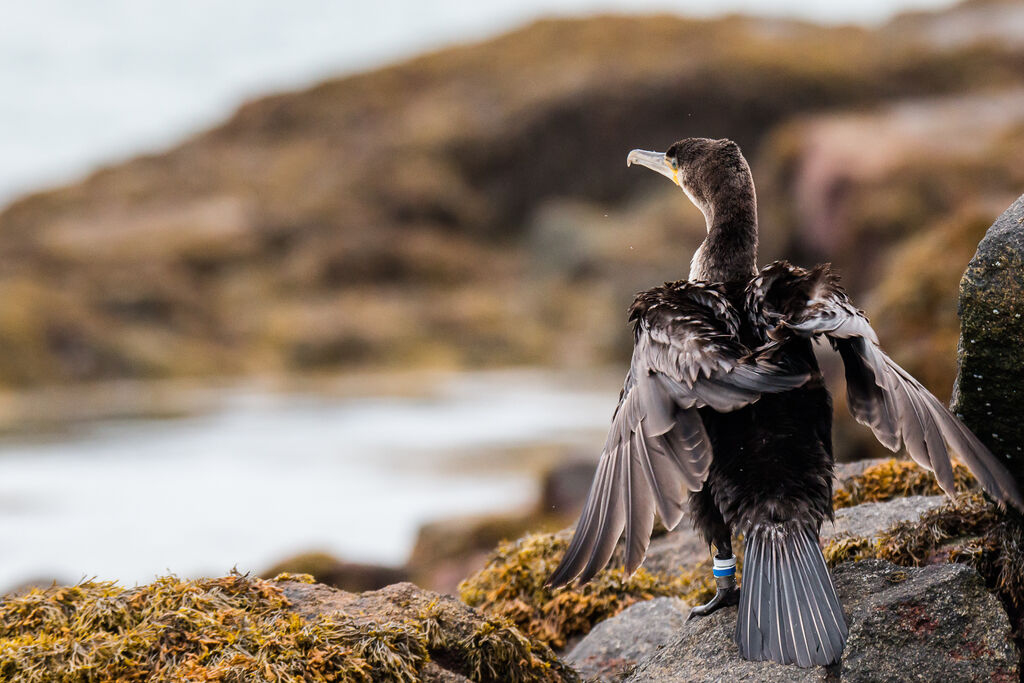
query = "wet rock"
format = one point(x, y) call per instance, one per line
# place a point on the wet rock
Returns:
point(463, 644)
point(869, 520)
point(617, 644)
point(921, 624)
point(990, 385)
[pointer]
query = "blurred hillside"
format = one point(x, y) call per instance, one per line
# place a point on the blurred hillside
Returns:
point(472, 207)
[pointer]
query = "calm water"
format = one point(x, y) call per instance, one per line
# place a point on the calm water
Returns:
point(269, 475)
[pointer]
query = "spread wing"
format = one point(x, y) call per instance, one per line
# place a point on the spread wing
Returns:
point(880, 394)
point(687, 355)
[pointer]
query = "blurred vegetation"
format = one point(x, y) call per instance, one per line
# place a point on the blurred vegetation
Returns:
point(471, 207)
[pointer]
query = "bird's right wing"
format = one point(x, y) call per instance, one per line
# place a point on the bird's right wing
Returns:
point(687, 355)
point(880, 394)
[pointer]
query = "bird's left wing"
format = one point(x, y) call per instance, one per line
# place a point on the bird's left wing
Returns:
point(687, 355)
point(880, 394)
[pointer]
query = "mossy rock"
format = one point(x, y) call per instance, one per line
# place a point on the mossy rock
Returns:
point(990, 385)
point(511, 586)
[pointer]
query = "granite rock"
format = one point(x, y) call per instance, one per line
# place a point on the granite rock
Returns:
point(617, 644)
point(906, 624)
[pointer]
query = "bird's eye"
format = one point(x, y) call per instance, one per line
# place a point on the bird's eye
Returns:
point(674, 163)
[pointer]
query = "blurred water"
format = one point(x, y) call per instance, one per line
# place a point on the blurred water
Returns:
point(91, 82)
point(270, 475)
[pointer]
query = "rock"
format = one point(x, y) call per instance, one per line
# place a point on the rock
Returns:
point(388, 221)
point(869, 520)
point(350, 576)
point(676, 551)
point(617, 644)
point(925, 624)
point(463, 644)
point(448, 550)
point(565, 487)
point(990, 385)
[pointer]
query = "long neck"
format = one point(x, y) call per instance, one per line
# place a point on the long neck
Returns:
point(729, 252)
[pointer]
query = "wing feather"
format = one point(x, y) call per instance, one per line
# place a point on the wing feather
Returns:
point(687, 355)
point(880, 394)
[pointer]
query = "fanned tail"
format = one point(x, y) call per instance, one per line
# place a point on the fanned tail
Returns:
point(789, 611)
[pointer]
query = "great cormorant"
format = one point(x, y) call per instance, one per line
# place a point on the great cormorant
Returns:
point(725, 411)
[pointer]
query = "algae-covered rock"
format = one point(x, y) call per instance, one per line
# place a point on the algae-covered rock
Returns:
point(459, 639)
point(617, 644)
point(511, 586)
point(888, 479)
point(238, 628)
point(870, 520)
point(906, 624)
point(989, 389)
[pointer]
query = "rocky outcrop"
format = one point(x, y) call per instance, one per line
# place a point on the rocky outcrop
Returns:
point(990, 385)
point(462, 644)
point(239, 628)
point(618, 644)
point(869, 520)
point(922, 624)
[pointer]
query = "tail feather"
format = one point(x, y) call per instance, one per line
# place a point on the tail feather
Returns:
point(788, 611)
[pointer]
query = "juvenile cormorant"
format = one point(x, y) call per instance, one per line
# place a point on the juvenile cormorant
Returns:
point(724, 411)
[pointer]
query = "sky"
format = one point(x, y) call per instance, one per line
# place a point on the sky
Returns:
point(88, 83)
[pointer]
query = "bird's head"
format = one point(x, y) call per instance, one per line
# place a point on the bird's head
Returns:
point(705, 169)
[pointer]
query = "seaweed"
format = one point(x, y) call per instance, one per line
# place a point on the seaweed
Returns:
point(511, 586)
point(847, 548)
point(896, 479)
point(238, 628)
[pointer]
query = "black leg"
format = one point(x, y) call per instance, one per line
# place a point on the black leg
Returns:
point(717, 533)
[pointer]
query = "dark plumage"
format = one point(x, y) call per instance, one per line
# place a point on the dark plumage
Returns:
point(724, 412)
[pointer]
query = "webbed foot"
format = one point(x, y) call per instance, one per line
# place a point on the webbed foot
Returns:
point(724, 597)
